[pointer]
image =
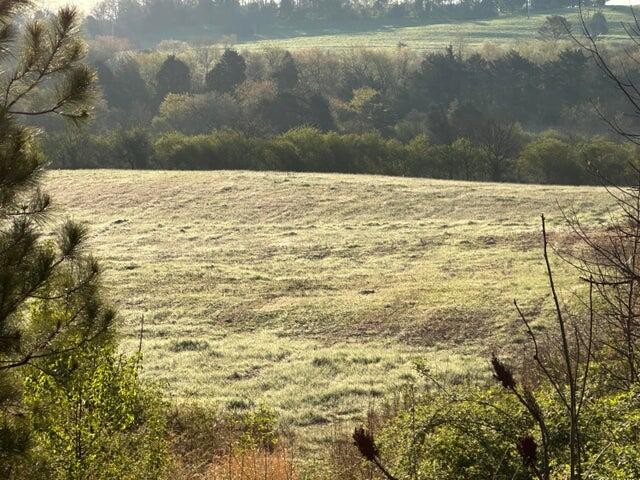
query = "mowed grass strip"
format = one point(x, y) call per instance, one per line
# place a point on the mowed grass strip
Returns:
point(316, 293)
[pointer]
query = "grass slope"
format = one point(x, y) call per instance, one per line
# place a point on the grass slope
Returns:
point(504, 32)
point(314, 293)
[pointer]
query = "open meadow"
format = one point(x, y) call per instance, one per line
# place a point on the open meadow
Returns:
point(315, 293)
point(504, 32)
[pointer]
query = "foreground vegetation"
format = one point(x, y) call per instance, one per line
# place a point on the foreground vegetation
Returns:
point(70, 406)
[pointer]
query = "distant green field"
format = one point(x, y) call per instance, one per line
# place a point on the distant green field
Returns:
point(315, 293)
point(505, 32)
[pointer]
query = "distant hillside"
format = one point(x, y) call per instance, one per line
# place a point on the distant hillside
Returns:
point(503, 32)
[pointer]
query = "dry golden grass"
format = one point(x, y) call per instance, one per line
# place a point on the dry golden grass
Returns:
point(254, 464)
point(314, 293)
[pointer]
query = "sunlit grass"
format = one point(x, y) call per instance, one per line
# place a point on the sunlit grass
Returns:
point(315, 294)
point(503, 32)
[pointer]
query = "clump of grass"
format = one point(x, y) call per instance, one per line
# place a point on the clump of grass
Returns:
point(337, 395)
point(323, 362)
point(189, 345)
point(311, 418)
point(277, 356)
point(366, 360)
point(239, 404)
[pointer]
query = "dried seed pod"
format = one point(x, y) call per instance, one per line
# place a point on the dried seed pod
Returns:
point(502, 373)
point(363, 439)
point(528, 450)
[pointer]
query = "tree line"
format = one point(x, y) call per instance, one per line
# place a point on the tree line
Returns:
point(544, 158)
point(493, 103)
point(440, 92)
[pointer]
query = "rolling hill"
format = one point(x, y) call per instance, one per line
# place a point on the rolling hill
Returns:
point(314, 293)
point(503, 32)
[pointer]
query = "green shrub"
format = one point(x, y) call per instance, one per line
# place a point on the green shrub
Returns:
point(615, 419)
point(471, 433)
point(94, 419)
point(548, 159)
point(219, 151)
point(176, 151)
point(309, 143)
point(607, 161)
point(278, 154)
point(116, 149)
point(197, 114)
point(466, 438)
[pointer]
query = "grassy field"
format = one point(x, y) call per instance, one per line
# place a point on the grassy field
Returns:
point(504, 32)
point(499, 33)
point(314, 293)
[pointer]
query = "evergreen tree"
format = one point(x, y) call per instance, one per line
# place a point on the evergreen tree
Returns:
point(49, 292)
point(285, 73)
point(108, 83)
point(174, 76)
point(598, 25)
point(228, 73)
point(322, 117)
point(123, 85)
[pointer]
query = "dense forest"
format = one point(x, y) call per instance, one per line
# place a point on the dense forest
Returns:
point(490, 115)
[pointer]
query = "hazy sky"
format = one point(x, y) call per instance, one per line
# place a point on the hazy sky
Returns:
point(85, 4)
